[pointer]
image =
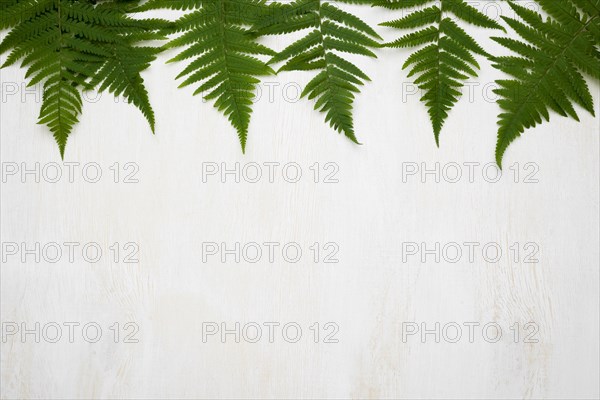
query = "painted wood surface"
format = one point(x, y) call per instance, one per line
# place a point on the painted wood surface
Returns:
point(388, 311)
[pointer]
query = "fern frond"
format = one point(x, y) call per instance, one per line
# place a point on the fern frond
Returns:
point(120, 74)
point(224, 55)
point(547, 70)
point(447, 59)
point(331, 31)
point(71, 46)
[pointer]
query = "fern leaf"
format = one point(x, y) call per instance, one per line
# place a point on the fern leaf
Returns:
point(120, 74)
point(224, 64)
point(71, 46)
point(547, 70)
point(330, 31)
point(447, 59)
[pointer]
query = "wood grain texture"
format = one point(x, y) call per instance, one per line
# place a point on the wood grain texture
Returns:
point(370, 293)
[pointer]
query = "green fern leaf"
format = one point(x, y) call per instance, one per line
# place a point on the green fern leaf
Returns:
point(121, 71)
point(224, 65)
point(447, 59)
point(331, 31)
point(71, 46)
point(548, 66)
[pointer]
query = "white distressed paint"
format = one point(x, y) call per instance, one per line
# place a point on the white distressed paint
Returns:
point(369, 294)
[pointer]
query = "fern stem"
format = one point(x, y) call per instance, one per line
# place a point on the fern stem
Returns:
point(60, 65)
point(241, 129)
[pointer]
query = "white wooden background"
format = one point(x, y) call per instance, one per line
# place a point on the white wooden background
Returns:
point(370, 293)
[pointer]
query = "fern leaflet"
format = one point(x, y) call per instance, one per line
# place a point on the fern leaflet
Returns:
point(69, 46)
point(448, 57)
point(224, 55)
point(548, 65)
point(332, 31)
